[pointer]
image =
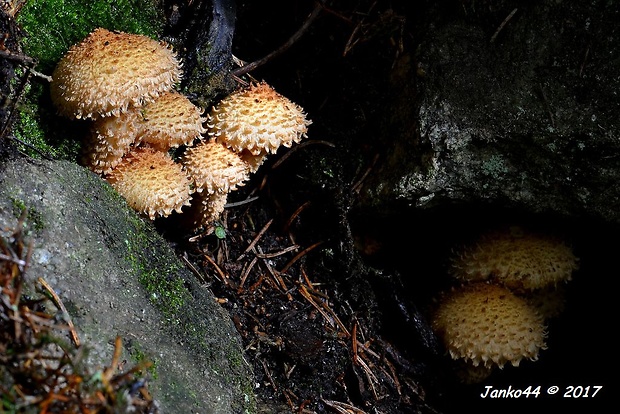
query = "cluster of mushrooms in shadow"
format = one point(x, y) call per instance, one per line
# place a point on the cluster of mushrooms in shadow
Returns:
point(125, 85)
point(508, 283)
point(155, 147)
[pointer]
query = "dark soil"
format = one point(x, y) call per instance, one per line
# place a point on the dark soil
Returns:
point(332, 303)
point(313, 315)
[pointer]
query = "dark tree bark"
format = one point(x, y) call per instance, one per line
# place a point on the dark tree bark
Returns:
point(203, 33)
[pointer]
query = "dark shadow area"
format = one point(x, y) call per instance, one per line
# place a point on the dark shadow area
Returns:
point(418, 244)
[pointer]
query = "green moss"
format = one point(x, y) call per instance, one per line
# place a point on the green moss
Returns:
point(40, 132)
point(140, 356)
point(33, 221)
point(167, 292)
point(7, 404)
point(176, 297)
point(51, 27)
point(166, 289)
point(495, 166)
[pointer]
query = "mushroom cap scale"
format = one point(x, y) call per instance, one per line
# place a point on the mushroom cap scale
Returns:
point(170, 121)
point(254, 161)
point(151, 182)
point(110, 138)
point(487, 324)
point(519, 259)
point(214, 167)
point(257, 119)
point(208, 208)
point(107, 72)
point(102, 157)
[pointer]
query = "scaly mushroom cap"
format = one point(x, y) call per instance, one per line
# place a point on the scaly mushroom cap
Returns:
point(518, 259)
point(489, 325)
point(108, 72)
point(254, 161)
point(170, 121)
point(257, 119)
point(151, 182)
point(214, 168)
point(207, 208)
point(109, 140)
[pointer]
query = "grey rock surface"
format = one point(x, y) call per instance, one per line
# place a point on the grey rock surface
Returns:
point(509, 103)
point(118, 277)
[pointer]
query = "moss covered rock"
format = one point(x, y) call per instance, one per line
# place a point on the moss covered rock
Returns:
point(117, 276)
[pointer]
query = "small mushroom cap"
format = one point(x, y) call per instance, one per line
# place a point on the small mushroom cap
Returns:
point(108, 72)
point(487, 324)
point(170, 121)
point(214, 167)
point(110, 138)
point(519, 259)
point(208, 208)
point(254, 161)
point(257, 119)
point(151, 182)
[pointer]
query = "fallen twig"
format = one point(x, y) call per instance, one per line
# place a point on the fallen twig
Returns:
point(295, 214)
point(299, 256)
point(256, 239)
point(342, 408)
point(223, 276)
point(193, 269)
point(275, 274)
point(501, 26)
point(246, 272)
point(278, 253)
point(294, 38)
point(65, 313)
point(308, 296)
point(241, 202)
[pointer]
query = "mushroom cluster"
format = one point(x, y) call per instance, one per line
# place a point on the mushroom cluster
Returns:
point(124, 84)
point(509, 283)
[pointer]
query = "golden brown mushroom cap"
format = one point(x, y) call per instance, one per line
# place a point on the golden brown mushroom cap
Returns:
point(519, 259)
point(108, 72)
point(257, 119)
point(487, 324)
point(151, 182)
point(170, 121)
point(109, 140)
point(214, 168)
point(207, 208)
point(254, 161)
